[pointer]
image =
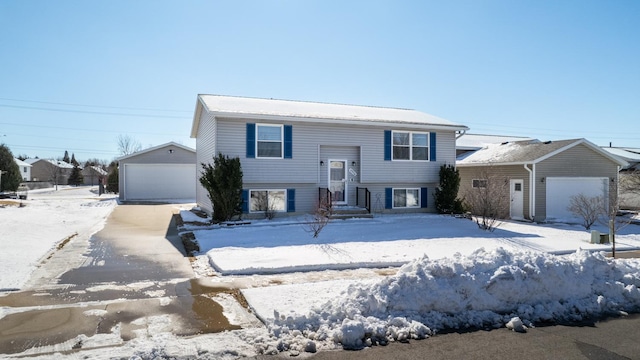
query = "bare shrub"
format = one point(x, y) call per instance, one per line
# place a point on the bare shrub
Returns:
point(588, 208)
point(488, 199)
point(613, 218)
point(261, 198)
point(319, 219)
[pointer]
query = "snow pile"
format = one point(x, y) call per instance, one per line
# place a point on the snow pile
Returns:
point(487, 289)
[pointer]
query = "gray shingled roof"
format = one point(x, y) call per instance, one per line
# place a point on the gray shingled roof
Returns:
point(525, 152)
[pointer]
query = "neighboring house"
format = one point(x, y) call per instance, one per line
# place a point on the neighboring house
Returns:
point(54, 171)
point(628, 199)
point(94, 175)
point(296, 154)
point(162, 173)
point(473, 142)
point(25, 169)
point(543, 176)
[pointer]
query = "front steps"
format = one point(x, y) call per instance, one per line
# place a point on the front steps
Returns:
point(350, 212)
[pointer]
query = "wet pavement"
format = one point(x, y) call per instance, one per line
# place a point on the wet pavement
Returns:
point(134, 269)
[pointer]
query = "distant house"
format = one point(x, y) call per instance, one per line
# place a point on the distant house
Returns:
point(161, 173)
point(54, 171)
point(94, 175)
point(543, 176)
point(628, 199)
point(295, 154)
point(25, 169)
point(473, 142)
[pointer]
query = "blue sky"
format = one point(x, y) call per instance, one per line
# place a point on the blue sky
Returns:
point(76, 74)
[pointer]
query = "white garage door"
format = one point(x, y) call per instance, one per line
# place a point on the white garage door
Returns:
point(561, 189)
point(159, 181)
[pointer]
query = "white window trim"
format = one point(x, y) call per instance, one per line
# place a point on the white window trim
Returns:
point(486, 183)
point(411, 145)
point(281, 141)
point(268, 190)
point(393, 203)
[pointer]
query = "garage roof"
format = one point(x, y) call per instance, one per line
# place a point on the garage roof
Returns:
point(527, 152)
point(156, 148)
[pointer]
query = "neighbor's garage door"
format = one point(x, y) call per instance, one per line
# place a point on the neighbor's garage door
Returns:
point(159, 181)
point(561, 189)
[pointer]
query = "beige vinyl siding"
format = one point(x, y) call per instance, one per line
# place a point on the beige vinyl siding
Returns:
point(206, 142)
point(515, 172)
point(578, 161)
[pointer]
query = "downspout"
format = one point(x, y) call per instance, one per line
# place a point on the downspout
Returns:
point(460, 134)
point(532, 188)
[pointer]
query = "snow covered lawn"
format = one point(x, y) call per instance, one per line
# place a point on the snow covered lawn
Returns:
point(49, 217)
point(391, 240)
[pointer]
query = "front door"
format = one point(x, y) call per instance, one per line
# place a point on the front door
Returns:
point(517, 199)
point(338, 180)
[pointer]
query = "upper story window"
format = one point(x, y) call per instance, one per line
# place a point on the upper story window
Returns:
point(409, 145)
point(269, 142)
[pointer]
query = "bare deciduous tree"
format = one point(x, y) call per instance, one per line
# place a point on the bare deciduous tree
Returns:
point(488, 199)
point(613, 218)
point(319, 219)
point(588, 208)
point(128, 145)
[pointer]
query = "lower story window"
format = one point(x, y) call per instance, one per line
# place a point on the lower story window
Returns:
point(406, 198)
point(263, 200)
point(479, 183)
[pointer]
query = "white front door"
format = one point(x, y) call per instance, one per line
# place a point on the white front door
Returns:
point(517, 199)
point(338, 180)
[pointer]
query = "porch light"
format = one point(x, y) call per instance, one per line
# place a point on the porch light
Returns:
point(321, 163)
point(541, 180)
point(170, 151)
point(353, 163)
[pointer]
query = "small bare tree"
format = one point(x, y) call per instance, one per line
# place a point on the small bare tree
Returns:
point(128, 145)
point(488, 199)
point(588, 208)
point(319, 219)
point(612, 216)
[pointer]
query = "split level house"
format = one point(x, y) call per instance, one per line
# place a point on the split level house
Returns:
point(296, 155)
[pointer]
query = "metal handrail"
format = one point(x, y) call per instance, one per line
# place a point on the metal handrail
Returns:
point(367, 198)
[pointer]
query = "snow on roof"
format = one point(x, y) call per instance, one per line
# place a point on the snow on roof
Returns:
point(21, 163)
point(58, 163)
point(478, 141)
point(232, 106)
point(527, 152)
point(97, 169)
point(626, 154)
point(156, 148)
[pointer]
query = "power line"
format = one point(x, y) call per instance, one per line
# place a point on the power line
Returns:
point(89, 130)
point(91, 112)
point(94, 106)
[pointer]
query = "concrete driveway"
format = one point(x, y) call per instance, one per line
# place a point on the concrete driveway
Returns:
point(134, 268)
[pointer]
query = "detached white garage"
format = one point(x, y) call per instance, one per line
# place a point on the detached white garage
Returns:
point(560, 190)
point(162, 173)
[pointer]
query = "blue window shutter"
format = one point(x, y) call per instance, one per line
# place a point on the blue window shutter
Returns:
point(251, 140)
point(387, 145)
point(388, 198)
point(288, 142)
point(245, 201)
point(432, 146)
point(423, 198)
point(291, 200)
